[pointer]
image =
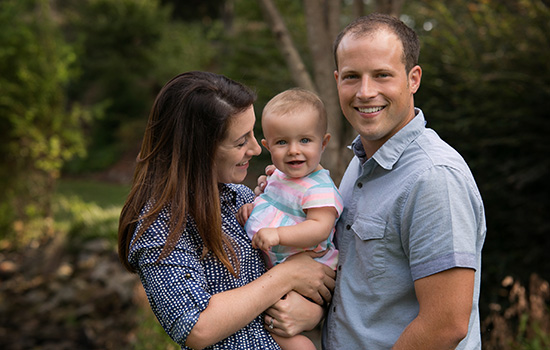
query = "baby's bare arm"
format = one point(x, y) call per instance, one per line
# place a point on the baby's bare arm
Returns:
point(315, 229)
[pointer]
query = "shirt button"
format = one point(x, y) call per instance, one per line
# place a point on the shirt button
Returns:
point(334, 309)
point(348, 227)
point(339, 267)
point(360, 184)
point(187, 276)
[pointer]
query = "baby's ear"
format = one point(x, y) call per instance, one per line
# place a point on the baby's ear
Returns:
point(264, 143)
point(326, 139)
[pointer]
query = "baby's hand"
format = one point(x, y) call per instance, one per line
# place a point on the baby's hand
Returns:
point(244, 213)
point(265, 238)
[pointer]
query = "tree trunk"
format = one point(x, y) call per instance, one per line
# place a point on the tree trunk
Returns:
point(322, 27)
point(358, 8)
point(390, 7)
point(286, 45)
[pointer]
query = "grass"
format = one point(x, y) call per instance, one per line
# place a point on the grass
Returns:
point(89, 191)
point(87, 209)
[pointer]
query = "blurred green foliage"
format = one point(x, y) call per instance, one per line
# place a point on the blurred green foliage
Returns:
point(486, 90)
point(77, 79)
point(127, 50)
point(40, 129)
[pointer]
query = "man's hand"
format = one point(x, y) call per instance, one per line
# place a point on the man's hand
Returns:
point(262, 180)
point(265, 238)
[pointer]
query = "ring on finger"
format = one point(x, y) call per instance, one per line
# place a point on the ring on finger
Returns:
point(271, 324)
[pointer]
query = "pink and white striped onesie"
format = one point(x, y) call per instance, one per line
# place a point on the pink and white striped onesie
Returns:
point(283, 203)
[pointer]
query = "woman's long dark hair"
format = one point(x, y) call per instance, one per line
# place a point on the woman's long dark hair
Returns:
point(175, 167)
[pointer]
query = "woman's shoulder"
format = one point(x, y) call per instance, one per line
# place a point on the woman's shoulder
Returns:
point(242, 192)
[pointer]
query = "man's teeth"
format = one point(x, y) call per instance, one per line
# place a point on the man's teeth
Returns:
point(370, 109)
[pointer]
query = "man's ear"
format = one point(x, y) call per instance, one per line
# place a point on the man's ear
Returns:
point(415, 75)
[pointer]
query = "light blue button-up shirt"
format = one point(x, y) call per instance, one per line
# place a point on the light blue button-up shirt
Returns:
point(412, 210)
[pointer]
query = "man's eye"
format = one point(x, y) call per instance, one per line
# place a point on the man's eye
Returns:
point(350, 76)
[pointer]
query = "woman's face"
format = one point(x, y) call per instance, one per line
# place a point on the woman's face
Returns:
point(238, 147)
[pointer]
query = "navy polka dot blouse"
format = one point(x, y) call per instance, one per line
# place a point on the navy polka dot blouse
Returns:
point(179, 287)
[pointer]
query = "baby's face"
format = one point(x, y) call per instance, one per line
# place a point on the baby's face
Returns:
point(295, 140)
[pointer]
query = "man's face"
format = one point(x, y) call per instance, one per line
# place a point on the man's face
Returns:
point(375, 91)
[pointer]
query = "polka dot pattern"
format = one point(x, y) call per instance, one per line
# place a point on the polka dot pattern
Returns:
point(179, 287)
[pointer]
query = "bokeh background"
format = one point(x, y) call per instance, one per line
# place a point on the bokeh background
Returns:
point(77, 79)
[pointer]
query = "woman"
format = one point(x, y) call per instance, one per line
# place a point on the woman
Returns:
point(178, 229)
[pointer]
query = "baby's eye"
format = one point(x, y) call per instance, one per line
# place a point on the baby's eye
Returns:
point(305, 140)
point(281, 142)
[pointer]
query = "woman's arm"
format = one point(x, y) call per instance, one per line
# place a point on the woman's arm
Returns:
point(316, 228)
point(229, 311)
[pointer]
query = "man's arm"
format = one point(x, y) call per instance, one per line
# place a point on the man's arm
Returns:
point(445, 300)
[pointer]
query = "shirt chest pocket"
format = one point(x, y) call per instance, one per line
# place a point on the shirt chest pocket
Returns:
point(370, 244)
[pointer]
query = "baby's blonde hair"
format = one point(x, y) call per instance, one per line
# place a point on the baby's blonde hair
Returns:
point(290, 99)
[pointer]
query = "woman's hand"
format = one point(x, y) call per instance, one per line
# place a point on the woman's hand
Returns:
point(244, 213)
point(262, 180)
point(292, 315)
point(312, 279)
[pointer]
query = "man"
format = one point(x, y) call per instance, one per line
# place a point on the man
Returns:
point(411, 233)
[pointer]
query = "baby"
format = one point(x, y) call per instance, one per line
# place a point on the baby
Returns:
point(300, 203)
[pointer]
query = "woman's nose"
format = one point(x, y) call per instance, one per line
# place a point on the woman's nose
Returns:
point(255, 148)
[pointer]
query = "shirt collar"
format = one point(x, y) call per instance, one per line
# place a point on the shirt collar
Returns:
point(227, 194)
point(391, 150)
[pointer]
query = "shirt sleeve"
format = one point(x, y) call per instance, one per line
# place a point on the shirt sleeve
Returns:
point(244, 194)
point(323, 195)
point(175, 286)
point(176, 293)
point(440, 220)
